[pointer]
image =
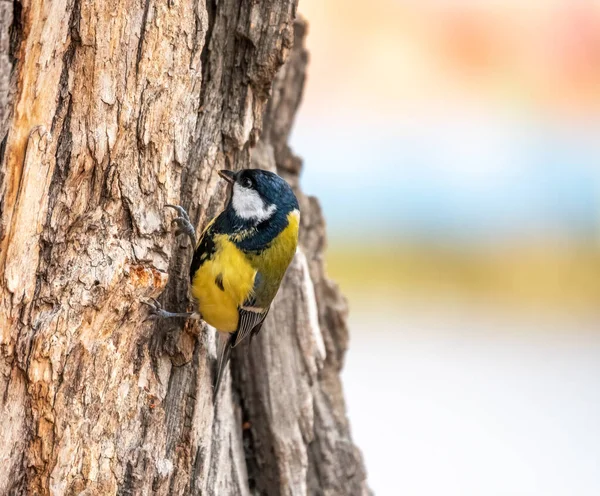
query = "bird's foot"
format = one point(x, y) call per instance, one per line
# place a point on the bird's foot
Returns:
point(184, 225)
point(156, 311)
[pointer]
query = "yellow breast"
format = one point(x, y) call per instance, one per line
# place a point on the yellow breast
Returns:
point(222, 284)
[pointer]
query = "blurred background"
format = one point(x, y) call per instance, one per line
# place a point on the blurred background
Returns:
point(455, 147)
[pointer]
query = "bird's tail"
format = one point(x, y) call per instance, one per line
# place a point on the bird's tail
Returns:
point(227, 346)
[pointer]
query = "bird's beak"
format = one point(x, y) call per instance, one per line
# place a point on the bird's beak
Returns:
point(228, 175)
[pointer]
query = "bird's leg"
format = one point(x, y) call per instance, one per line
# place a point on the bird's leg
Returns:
point(184, 225)
point(157, 312)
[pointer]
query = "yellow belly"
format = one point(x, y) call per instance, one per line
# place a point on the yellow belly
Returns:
point(229, 266)
point(225, 281)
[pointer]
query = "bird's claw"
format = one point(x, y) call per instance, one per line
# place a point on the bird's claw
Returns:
point(155, 309)
point(184, 225)
point(180, 210)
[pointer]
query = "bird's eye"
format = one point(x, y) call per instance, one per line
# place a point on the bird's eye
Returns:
point(247, 182)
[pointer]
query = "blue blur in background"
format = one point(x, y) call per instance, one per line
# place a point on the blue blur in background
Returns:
point(455, 148)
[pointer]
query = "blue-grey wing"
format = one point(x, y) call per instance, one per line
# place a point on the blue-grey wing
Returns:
point(248, 321)
point(251, 316)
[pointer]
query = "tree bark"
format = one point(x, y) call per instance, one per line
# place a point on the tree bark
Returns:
point(108, 111)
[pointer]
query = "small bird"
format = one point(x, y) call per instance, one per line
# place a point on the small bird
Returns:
point(241, 257)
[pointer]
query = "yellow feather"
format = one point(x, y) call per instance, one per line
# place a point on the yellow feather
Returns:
point(273, 261)
point(237, 270)
point(219, 307)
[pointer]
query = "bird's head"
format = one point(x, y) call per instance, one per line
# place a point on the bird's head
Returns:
point(257, 195)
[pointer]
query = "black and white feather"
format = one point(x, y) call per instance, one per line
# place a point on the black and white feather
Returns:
point(248, 321)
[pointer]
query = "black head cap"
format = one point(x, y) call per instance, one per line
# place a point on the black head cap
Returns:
point(275, 193)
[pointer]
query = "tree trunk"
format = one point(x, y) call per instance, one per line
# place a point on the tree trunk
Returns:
point(108, 111)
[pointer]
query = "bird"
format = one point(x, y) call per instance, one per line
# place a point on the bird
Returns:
point(240, 258)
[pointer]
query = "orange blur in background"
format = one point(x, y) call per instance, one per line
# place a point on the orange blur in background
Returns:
point(455, 147)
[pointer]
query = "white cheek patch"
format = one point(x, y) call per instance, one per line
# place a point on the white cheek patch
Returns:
point(248, 204)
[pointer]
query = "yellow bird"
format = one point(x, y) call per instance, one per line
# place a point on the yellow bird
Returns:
point(241, 257)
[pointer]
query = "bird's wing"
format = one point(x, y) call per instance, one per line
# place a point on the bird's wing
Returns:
point(248, 321)
point(251, 316)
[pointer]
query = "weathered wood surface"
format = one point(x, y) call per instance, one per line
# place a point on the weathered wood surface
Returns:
point(109, 110)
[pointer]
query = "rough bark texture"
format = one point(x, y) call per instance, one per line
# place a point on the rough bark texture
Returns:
point(109, 110)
